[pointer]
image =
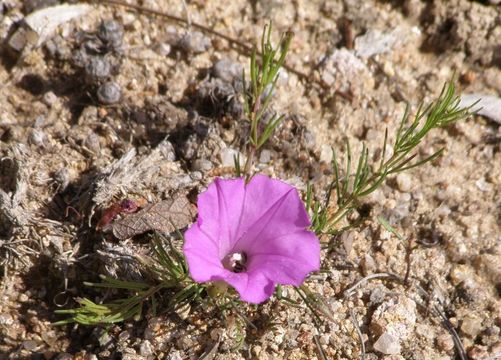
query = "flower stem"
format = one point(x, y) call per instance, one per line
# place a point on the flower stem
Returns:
point(248, 162)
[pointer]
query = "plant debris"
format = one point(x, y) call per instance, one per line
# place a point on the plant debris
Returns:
point(165, 216)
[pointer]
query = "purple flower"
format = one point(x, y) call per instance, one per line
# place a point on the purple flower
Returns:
point(252, 237)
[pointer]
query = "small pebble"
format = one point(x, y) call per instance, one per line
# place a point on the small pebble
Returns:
point(256, 350)
point(97, 68)
point(49, 98)
point(195, 42)
point(92, 143)
point(471, 325)
point(387, 344)
point(368, 264)
point(196, 175)
point(227, 70)
point(39, 122)
point(36, 137)
point(326, 154)
point(109, 93)
point(30, 345)
point(163, 49)
point(265, 156)
point(445, 342)
point(227, 156)
point(6, 319)
point(479, 352)
point(124, 335)
point(62, 177)
point(202, 165)
point(145, 349)
point(404, 182)
point(111, 33)
point(309, 140)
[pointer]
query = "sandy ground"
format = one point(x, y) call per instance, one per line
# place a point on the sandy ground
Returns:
point(65, 122)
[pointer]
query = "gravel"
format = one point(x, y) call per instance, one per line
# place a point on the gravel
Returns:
point(172, 95)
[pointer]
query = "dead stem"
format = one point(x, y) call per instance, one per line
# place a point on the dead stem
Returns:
point(348, 292)
point(246, 49)
point(436, 310)
point(321, 351)
point(359, 332)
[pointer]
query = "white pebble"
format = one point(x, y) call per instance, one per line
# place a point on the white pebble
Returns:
point(404, 182)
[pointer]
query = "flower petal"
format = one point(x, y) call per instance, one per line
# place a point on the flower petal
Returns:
point(285, 215)
point(254, 287)
point(220, 211)
point(202, 254)
point(289, 258)
point(262, 193)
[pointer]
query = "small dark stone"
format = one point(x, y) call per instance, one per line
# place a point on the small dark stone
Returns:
point(109, 93)
point(111, 33)
point(97, 68)
point(33, 83)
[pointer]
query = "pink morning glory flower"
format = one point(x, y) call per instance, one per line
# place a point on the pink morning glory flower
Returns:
point(251, 236)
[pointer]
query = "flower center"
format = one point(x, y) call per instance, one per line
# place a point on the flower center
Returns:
point(235, 262)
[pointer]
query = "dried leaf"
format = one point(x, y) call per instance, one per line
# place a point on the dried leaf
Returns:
point(165, 216)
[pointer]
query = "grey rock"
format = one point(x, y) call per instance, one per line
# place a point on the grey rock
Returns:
point(49, 98)
point(227, 70)
point(487, 105)
point(265, 156)
point(167, 150)
point(309, 140)
point(163, 49)
point(111, 33)
point(387, 344)
point(97, 68)
point(145, 349)
point(30, 345)
point(202, 165)
point(39, 122)
point(228, 155)
point(195, 42)
point(396, 317)
point(375, 42)
point(92, 143)
point(196, 175)
point(109, 93)
point(36, 137)
point(62, 178)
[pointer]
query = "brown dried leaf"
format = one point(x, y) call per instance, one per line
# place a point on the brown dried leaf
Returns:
point(165, 216)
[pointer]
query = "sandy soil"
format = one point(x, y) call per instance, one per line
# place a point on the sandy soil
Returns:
point(65, 121)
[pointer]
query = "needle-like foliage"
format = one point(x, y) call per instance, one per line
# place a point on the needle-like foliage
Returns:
point(360, 178)
point(264, 72)
point(171, 274)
